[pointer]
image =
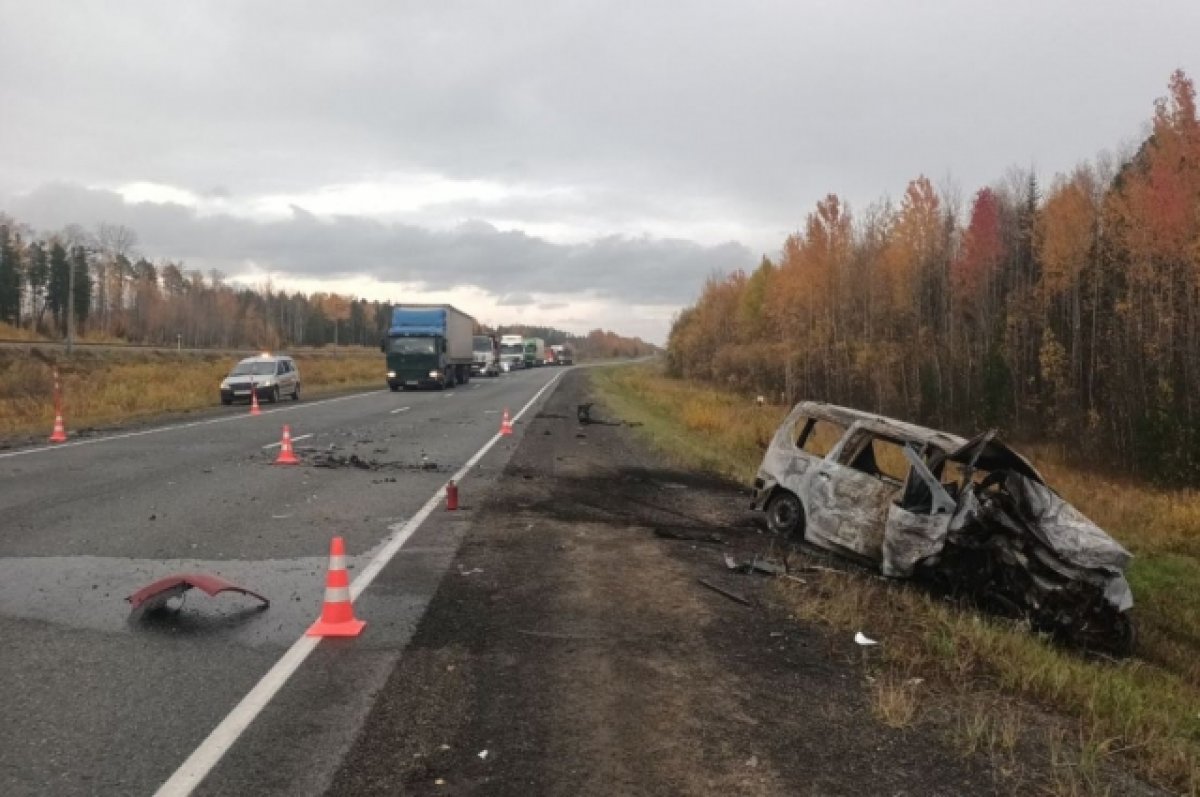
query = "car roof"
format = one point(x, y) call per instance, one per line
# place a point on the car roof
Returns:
point(879, 424)
point(264, 358)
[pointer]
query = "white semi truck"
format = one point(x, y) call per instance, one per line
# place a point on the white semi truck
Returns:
point(512, 352)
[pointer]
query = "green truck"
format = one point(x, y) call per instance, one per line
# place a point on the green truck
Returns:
point(535, 352)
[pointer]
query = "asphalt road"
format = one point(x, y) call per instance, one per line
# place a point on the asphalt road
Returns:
point(95, 703)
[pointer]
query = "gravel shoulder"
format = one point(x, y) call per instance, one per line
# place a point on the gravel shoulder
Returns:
point(572, 650)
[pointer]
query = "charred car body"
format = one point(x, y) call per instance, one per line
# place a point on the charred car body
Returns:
point(970, 517)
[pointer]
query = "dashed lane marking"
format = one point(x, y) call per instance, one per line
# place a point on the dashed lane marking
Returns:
point(294, 439)
point(190, 425)
point(212, 749)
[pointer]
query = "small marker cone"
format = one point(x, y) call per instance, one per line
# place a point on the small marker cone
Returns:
point(59, 435)
point(337, 613)
point(254, 410)
point(451, 496)
point(287, 456)
point(506, 429)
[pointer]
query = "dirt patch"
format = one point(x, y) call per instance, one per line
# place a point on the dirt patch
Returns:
point(584, 656)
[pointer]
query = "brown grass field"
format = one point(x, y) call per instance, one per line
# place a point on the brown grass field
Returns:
point(1144, 712)
point(109, 386)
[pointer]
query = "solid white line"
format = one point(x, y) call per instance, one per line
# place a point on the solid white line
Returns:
point(191, 424)
point(401, 409)
point(294, 439)
point(212, 749)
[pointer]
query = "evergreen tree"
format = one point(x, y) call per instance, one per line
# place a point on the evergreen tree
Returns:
point(58, 283)
point(10, 278)
point(83, 285)
point(37, 275)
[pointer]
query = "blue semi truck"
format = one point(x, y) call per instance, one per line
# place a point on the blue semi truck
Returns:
point(428, 345)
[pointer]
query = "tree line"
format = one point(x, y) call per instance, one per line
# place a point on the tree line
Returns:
point(121, 295)
point(1069, 312)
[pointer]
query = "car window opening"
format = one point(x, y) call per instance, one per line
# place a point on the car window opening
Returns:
point(818, 437)
point(880, 457)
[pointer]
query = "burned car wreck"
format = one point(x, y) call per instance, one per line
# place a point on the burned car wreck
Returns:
point(969, 518)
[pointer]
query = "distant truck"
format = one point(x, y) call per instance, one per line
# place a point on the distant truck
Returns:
point(486, 360)
point(428, 345)
point(535, 352)
point(512, 352)
point(562, 354)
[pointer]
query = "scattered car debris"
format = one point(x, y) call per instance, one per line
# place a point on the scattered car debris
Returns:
point(156, 595)
point(969, 518)
point(733, 596)
point(583, 412)
point(757, 564)
point(332, 459)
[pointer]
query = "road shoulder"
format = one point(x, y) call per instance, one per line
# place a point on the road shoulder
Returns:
point(572, 650)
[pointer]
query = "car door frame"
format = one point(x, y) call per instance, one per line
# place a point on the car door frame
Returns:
point(853, 525)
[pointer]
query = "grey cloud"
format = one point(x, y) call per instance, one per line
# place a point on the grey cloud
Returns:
point(510, 264)
point(765, 106)
point(552, 305)
point(515, 300)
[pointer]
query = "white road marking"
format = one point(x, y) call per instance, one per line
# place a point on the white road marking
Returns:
point(294, 439)
point(399, 409)
point(190, 425)
point(222, 738)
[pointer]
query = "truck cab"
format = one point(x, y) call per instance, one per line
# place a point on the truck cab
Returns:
point(535, 352)
point(428, 346)
point(486, 360)
point(512, 352)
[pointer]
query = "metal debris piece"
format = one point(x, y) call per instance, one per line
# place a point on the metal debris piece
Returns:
point(733, 596)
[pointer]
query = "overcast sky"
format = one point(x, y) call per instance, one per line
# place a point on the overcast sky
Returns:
point(571, 163)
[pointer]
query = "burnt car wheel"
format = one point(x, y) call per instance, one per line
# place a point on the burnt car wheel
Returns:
point(785, 515)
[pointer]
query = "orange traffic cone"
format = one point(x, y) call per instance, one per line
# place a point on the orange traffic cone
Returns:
point(59, 435)
point(337, 613)
point(254, 410)
point(286, 455)
point(505, 424)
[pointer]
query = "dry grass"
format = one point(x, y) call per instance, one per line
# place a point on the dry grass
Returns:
point(1144, 710)
point(894, 699)
point(111, 386)
point(9, 332)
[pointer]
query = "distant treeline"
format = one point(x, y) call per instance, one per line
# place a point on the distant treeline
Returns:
point(120, 295)
point(1071, 312)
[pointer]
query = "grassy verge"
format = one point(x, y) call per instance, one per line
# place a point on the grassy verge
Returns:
point(111, 386)
point(1144, 711)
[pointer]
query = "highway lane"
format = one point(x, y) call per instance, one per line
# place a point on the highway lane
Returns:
point(98, 705)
